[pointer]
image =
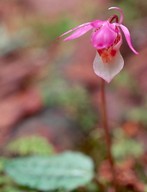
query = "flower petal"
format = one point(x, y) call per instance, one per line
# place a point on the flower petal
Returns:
point(108, 71)
point(128, 37)
point(79, 31)
point(104, 37)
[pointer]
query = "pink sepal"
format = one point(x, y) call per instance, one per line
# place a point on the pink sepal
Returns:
point(79, 31)
point(128, 37)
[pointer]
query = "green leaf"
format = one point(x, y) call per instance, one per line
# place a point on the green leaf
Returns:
point(124, 147)
point(127, 148)
point(66, 171)
point(138, 114)
point(2, 163)
point(36, 145)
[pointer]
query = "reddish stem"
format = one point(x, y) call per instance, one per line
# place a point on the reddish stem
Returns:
point(107, 133)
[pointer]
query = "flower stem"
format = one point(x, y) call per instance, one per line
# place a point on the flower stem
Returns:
point(107, 134)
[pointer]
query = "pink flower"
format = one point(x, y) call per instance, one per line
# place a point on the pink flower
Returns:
point(107, 39)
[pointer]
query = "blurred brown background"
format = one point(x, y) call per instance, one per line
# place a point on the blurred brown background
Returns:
point(48, 86)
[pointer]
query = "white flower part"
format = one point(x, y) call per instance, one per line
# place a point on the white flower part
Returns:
point(108, 71)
